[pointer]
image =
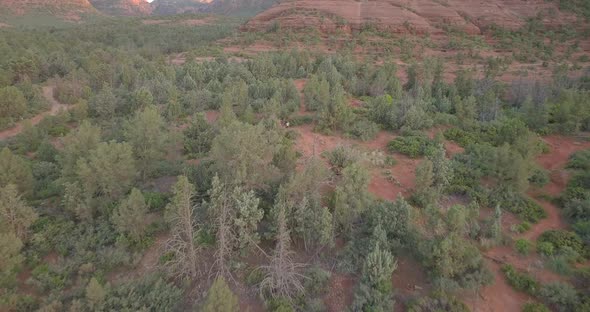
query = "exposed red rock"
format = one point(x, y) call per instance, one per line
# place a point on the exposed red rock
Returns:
point(399, 16)
point(123, 7)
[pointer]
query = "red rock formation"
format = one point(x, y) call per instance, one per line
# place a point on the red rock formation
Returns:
point(123, 7)
point(400, 16)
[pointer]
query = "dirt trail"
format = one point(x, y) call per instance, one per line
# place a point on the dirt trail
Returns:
point(554, 162)
point(500, 296)
point(56, 107)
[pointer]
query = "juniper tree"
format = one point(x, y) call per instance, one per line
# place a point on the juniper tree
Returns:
point(95, 293)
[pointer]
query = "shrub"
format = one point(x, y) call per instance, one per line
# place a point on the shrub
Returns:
point(545, 248)
point(535, 307)
point(363, 129)
point(561, 295)
point(438, 301)
point(561, 239)
point(580, 160)
point(523, 246)
point(521, 281)
point(539, 177)
point(462, 137)
point(413, 145)
point(522, 227)
point(342, 156)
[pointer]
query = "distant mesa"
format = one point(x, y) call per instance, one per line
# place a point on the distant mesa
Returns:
point(123, 7)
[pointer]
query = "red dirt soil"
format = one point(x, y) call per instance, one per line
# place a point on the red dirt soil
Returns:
point(56, 107)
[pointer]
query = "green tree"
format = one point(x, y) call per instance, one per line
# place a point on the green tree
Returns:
point(15, 214)
point(131, 214)
point(10, 258)
point(15, 170)
point(76, 146)
point(375, 290)
point(147, 135)
point(180, 216)
point(142, 98)
point(248, 215)
point(108, 172)
point(441, 168)
point(95, 293)
point(220, 298)
point(465, 110)
point(13, 103)
point(104, 104)
point(244, 154)
point(198, 137)
point(351, 197)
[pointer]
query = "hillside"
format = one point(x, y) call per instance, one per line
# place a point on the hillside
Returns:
point(123, 7)
point(67, 9)
point(170, 7)
point(420, 16)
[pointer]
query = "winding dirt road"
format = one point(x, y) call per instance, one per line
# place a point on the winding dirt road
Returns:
point(56, 107)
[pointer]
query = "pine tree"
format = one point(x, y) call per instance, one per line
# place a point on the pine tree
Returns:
point(248, 215)
point(108, 171)
point(180, 216)
point(15, 215)
point(351, 197)
point(375, 290)
point(146, 134)
point(441, 168)
point(221, 215)
point(15, 170)
point(198, 137)
point(10, 258)
point(12, 102)
point(220, 298)
point(95, 293)
point(76, 146)
point(130, 215)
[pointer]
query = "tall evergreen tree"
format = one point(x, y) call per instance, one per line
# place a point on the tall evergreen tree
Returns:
point(15, 170)
point(220, 298)
point(146, 134)
point(15, 215)
point(130, 216)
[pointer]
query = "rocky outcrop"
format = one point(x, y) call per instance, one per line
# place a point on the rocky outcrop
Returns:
point(123, 7)
point(170, 7)
point(400, 16)
point(69, 9)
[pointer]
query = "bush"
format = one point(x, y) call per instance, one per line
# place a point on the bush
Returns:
point(545, 248)
point(539, 177)
point(523, 246)
point(521, 281)
point(342, 156)
point(438, 301)
point(522, 227)
point(580, 160)
point(462, 137)
point(413, 145)
point(535, 307)
point(561, 295)
point(561, 239)
point(363, 129)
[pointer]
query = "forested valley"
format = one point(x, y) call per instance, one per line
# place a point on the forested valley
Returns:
point(288, 180)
